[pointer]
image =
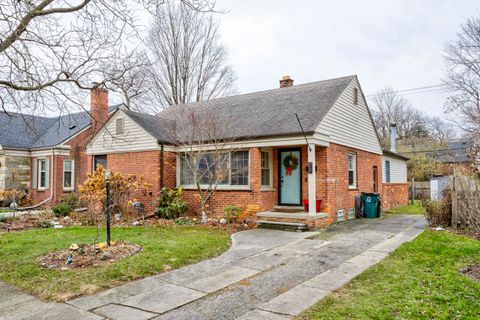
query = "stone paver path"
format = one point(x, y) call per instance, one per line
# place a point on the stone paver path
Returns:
point(267, 274)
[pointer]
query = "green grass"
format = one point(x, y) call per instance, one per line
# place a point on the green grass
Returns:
point(414, 209)
point(163, 247)
point(420, 280)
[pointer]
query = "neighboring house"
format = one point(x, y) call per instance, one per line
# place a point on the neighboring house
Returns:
point(394, 175)
point(47, 155)
point(271, 170)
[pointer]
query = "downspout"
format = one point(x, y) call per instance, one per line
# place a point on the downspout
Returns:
point(162, 164)
point(52, 179)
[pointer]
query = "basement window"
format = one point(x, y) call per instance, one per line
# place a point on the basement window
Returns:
point(119, 126)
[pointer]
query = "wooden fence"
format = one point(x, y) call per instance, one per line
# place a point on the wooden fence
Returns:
point(419, 190)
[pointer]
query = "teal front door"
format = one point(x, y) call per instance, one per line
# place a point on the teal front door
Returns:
point(290, 177)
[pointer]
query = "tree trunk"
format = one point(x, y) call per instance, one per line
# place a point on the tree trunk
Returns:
point(204, 214)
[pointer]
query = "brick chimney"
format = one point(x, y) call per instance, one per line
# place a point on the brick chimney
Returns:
point(98, 107)
point(286, 82)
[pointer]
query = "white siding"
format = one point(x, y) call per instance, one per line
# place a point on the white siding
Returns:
point(134, 138)
point(349, 124)
point(398, 170)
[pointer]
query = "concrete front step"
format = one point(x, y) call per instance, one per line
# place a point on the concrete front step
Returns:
point(282, 225)
point(288, 220)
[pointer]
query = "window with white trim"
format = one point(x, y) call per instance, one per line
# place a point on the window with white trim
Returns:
point(266, 168)
point(67, 174)
point(42, 173)
point(119, 126)
point(352, 170)
point(387, 171)
point(223, 169)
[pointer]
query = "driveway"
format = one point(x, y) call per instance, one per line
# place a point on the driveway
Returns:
point(267, 274)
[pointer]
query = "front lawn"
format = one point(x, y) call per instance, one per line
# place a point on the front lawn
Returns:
point(164, 248)
point(420, 280)
point(414, 209)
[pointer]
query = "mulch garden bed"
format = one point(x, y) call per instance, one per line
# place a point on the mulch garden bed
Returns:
point(472, 271)
point(85, 255)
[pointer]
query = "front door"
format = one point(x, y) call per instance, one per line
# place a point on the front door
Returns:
point(290, 177)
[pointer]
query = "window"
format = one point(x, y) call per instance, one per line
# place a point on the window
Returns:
point(266, 169)
point(119, 126)
point(68, 174)
point(227, 169)
point(99, 159)
point(387, 171)
point(352, 168)
point(42, 174)
point(355, 96)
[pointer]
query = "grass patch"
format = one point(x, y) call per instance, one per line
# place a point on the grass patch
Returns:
point(163, 248)
point(420, 280)
point(414, 209)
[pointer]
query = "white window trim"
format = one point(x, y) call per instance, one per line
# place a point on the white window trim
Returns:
point(354, 185)
point(123, 126)
point(219, 186)
point(39, 166)
point(268, 187)
point(72, 182)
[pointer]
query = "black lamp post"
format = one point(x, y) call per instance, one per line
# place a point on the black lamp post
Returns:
point(107, 185)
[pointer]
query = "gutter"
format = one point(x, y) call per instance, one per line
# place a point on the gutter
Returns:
point(162, 163)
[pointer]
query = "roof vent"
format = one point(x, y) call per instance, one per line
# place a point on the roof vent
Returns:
point(72, 127)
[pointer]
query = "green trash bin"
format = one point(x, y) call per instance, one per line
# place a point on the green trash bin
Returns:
point(371, 205)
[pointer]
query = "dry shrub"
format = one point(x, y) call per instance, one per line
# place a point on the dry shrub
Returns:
point(439, 213)
point(123, 189)
point(468, 201)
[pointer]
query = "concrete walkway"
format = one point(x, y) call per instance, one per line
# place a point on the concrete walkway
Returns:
point(267, 274)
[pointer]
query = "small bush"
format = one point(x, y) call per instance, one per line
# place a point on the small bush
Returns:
point(439, 213)
point(70, 199)
point(170, 204)
point(61, 210)
point(45, 224)
point(232, 213)
point(184, 221)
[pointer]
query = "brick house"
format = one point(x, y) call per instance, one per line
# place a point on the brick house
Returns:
point(46, 155)
point(336, 154)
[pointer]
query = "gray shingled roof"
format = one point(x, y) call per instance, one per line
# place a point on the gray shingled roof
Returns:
point(265, 113)
point(30, 132)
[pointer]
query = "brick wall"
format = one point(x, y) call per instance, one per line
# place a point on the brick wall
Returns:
point(145, 166)
point(394, 194)
point(332, 177)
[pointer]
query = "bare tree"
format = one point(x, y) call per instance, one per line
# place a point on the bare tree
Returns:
point(462, 58)
point(440, 130)
point(188, 61)
point(207, 147)
point(390, 107)
point(51, 51)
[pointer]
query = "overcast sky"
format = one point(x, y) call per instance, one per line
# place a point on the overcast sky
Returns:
point(395, 43)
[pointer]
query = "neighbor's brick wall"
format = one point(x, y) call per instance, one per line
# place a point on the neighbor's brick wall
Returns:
point(394, 194)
